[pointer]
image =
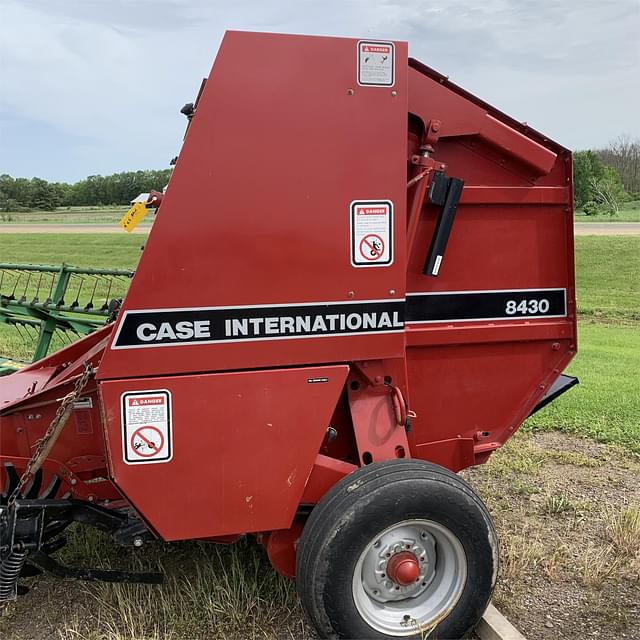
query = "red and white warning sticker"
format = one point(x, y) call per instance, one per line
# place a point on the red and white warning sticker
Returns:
point(371, 233)
point(146, 427)
point(376, 64)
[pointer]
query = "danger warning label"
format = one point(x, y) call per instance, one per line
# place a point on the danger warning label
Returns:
point(146, 427)
point(371, 233)
point(376, 64)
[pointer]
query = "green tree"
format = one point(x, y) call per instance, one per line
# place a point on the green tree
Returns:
point(586, 166)
point(63, 192)
point(6, 186)
point(119, 188)
point(608, 191)
point(596, 187)
point(42, 195)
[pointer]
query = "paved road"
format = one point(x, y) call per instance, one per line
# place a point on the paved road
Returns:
point(581, 228)
point(607, 228)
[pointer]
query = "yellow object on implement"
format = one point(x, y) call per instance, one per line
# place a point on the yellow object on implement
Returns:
point(131, 219)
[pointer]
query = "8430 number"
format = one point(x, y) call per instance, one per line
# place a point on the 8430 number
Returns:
point(530, 307)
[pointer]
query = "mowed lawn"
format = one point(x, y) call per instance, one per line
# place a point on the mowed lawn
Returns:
point(80, 250)
point(629, 212)
point(608, 278)
point(606, 404)
point(66, 215)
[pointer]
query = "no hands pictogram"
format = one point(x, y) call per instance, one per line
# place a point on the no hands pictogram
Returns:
point(147, 441)
point(371, 247)
point(371, 233)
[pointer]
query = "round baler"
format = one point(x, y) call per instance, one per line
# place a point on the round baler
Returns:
point(359, 282)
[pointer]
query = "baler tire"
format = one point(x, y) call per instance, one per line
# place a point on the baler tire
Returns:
point(361, 508)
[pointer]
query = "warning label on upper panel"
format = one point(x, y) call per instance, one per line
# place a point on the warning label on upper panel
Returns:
point(376, 64)
point(371, 233)
point(146, 427)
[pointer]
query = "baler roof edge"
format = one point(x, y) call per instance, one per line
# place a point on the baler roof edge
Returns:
point(524, 129)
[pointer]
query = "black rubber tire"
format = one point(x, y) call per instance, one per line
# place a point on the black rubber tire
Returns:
point(365, 503)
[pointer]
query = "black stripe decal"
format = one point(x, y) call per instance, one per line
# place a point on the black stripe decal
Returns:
point(167, 327)
point(485, 305)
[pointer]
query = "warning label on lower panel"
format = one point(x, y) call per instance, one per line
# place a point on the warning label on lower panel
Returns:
point(146, 427)
point(371, 233)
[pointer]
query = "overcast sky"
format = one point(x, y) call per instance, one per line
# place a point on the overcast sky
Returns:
point(95, 86)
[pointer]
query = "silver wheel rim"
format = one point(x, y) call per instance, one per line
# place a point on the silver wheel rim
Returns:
point(403, 610)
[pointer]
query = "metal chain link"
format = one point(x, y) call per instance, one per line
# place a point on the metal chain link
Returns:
point(51, 434)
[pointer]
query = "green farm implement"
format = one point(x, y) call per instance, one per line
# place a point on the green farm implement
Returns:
point(49, 306)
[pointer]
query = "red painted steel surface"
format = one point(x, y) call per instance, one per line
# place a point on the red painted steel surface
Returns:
point(326, 472)
point(23, 384)
point(78, 457)
point(244, 445)
point(513, 230)
point(257, 212)
point(257, 209)
point(403, 568)
point(281, 548)
point(379, 435)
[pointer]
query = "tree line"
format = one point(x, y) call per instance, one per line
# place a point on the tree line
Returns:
point(603, 179)
point(24, 194)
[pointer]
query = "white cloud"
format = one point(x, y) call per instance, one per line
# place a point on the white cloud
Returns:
point(108, 76)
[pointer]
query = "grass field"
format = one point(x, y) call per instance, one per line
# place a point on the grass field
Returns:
point(608, 278)
point(606, 404)
point(86, 250)
point(70, 215)
point(629, 212)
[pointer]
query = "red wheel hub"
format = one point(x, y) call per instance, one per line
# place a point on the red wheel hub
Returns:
point(403, 568)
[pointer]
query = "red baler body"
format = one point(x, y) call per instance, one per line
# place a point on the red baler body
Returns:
point(255, 241)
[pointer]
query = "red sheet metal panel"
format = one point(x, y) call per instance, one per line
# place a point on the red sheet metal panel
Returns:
point(240, 447)
point(480, 391)
point(258, 209)
point(23, 384)
point(476, 364)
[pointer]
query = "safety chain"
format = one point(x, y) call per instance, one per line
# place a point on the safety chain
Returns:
point(45, 444)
